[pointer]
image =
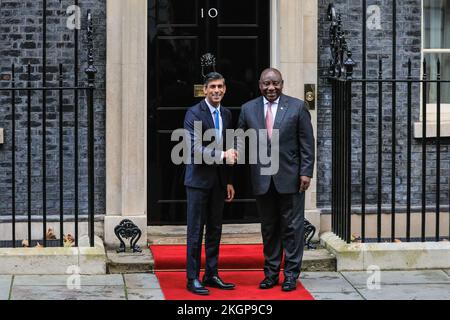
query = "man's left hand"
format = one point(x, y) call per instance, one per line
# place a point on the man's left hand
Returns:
point(230, 193)
point(304, 183)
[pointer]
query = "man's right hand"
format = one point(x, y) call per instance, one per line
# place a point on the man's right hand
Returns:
point(231, 156)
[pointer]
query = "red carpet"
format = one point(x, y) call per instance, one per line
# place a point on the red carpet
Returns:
point(231, 257)
point(170, 262)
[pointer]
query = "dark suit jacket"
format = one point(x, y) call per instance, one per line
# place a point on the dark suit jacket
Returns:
point(203, 175)
point(296, 143)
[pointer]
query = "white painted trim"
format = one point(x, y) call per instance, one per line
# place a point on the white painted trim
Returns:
point(422, 33)
point(431, 108)
point(436, 50)
point(432, 129)
point(274, 34)
point(126, 115)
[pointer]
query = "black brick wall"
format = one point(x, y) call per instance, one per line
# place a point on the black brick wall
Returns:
point(379, 44)
point(21, 42)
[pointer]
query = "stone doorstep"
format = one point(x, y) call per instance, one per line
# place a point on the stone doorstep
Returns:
point(313, 260)
point(249, 238)
point(60, 260)
point(387, 256)
point(241, 233)
point(128, 262)
point(226, 229)
point(231, 233)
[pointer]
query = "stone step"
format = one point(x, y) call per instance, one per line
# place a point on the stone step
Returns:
point(127, 262)
point(318, 260)
point(313, 260)
point(248, 238)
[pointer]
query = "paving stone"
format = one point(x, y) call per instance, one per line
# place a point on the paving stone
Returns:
point(64, 293)
point(447, 271)
point(337, 296)
point(399, 277)
point(325, 282)
point(61, 280)
point(145, 294)
point(5, 285)
point(141, 281)
point(408, 292)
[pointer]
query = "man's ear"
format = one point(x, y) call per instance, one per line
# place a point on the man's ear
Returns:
point(204, 90)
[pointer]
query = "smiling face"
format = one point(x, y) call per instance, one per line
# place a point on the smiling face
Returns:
point(271, 84)
point(214, 91)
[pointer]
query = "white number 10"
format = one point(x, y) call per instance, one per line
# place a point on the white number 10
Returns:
point(212, 13)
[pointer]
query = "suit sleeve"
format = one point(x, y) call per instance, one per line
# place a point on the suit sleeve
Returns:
point(195, 136)
point(306, 142)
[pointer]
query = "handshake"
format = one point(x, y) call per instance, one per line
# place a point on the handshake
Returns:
point(231, 156)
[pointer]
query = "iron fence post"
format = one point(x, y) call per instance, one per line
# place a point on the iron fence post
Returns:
point(90, 71)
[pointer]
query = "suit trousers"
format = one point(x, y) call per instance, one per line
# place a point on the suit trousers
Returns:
point(204, 207)
point(282, 228)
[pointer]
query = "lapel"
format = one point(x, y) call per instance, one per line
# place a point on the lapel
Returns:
point(226, 122)
point(281, 112)
point(207, 115)
point(260, 117)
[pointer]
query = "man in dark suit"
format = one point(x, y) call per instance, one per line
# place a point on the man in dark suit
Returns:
point(208, 184)
point(280, 195)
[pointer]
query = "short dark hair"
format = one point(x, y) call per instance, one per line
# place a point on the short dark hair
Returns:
point(213, 76)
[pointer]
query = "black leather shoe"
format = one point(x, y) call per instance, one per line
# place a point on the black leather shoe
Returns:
point(216, 282)
point(195, 286)
point(289, 284)
point(268, 283)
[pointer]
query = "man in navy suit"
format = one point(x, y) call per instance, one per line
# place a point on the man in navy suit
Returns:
point(280, 195)
point(208, 184)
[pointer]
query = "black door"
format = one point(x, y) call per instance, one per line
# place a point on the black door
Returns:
point(236, 32)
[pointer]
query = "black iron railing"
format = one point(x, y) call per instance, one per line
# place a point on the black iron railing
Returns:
point(31, 89)
point(343, 147)
point(349, 142)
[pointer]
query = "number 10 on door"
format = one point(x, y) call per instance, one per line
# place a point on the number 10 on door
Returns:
point(212, 13)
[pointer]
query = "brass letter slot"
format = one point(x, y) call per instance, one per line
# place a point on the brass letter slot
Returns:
point(198, 91)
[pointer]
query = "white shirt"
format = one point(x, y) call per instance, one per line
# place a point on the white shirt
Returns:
point(212, 109)
point(274, 108)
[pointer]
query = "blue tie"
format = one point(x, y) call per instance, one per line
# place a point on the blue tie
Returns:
point(217, 124)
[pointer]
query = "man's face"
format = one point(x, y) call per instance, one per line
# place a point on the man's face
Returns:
point(214, 91)
point(271, 85)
